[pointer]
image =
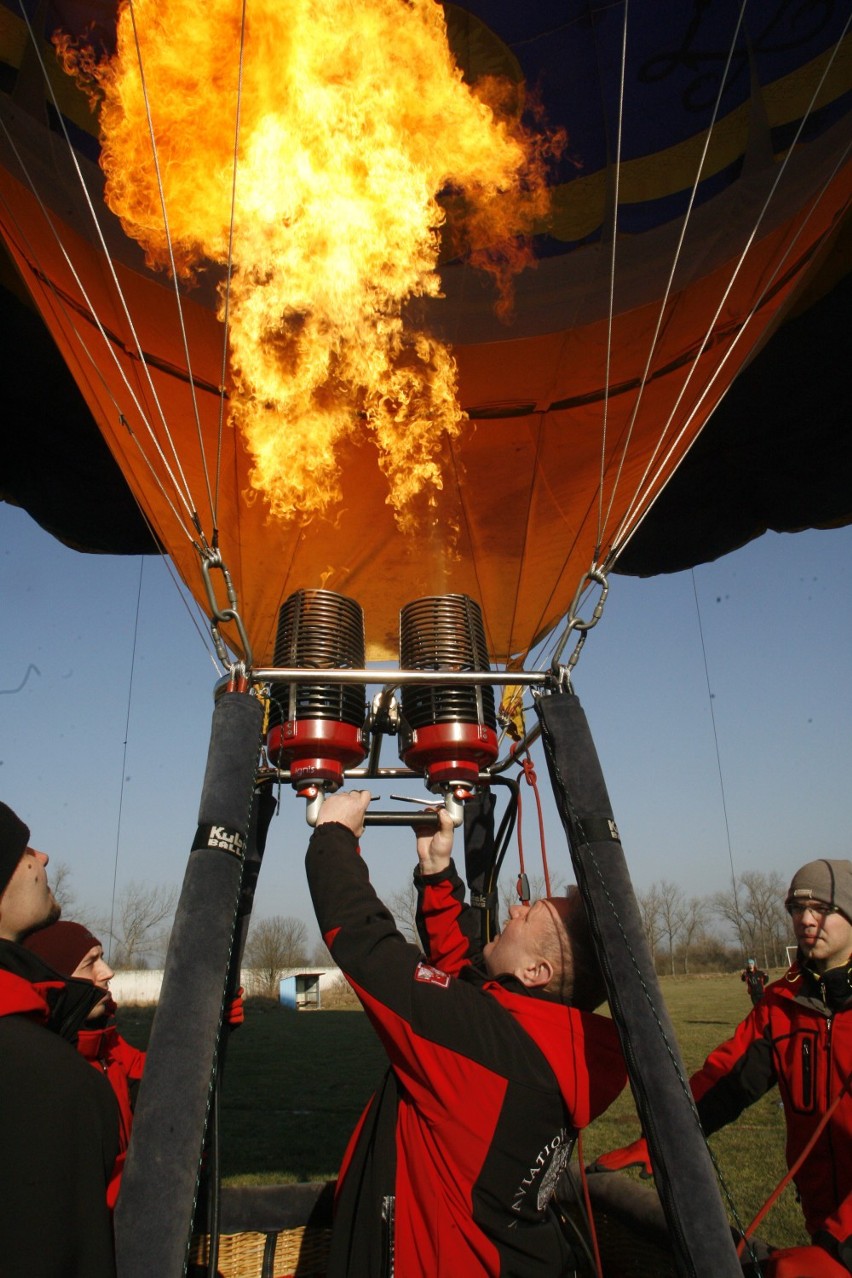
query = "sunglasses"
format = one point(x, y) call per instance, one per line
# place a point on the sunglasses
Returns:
point(819, 908)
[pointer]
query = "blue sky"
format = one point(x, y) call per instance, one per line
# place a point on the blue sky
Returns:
point(108, 773)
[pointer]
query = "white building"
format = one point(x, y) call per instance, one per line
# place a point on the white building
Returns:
point(144, 986)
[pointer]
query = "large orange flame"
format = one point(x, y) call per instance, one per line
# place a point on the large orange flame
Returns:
point(317, 168)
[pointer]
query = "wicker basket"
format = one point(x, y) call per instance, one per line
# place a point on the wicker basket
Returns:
point(285, 1231)
point(291, 1253)
point(273, 1231)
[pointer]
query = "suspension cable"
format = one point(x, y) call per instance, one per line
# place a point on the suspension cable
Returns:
point(124, 755)
point(611, 311)
point(632, 520)
point(229, 272)
point(108, 340)
point(733, 278)
point(716, 745)
point(178, 300)
point(634, 515)
point(675, 263)
point(113, 274)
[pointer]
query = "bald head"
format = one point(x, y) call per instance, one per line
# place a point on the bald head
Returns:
point(577, 978)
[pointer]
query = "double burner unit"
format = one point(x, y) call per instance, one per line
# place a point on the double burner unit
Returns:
point(318, 730)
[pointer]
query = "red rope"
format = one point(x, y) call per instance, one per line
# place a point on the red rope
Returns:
point(528, 769)
point(584, 1184)
point(785, 1180)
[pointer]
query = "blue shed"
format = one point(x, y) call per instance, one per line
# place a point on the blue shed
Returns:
point(300, 991)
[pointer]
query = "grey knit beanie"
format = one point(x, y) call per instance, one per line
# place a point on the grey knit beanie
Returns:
point(828, 881)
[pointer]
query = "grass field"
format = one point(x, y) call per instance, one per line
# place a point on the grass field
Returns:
point(295, 1083)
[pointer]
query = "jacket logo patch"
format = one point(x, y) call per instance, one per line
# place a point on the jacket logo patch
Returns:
point(431, 975)
point(540, 1180)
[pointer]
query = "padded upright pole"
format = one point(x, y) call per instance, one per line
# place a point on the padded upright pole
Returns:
point(154, 1214)
point(700, 1235)
point(262, 810)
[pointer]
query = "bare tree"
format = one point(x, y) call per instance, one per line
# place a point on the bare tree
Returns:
point(754, 907)
point(403, 906)
point(781, 932)
point(141, 924)
point(726, 905)
point(274, 945)
point(670, 913)
point(710, 952)
point(764, 908)
point(649, 909)
point(694, 920)
point(60, 882)
point(321, 956)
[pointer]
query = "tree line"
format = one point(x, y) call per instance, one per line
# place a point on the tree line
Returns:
point(720, 931)
point(685, 934)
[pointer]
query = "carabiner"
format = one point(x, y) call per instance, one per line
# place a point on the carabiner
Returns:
point(594, 576)
point(211, 557)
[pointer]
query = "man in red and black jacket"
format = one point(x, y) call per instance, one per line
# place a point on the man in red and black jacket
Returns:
point(755, 981)
point(798, 1036)
point(494, 1066)
point(72, 950)
point(58, 1117)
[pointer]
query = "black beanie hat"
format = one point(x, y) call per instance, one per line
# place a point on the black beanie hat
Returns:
point(14, 838)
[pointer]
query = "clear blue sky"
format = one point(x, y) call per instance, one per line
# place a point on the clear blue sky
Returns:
point(776, 617)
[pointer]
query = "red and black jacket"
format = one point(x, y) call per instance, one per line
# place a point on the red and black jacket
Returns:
point(58, 1127)
point(755, 981)
point(799, 1036)
point(452, 1166)
point(122, 1064)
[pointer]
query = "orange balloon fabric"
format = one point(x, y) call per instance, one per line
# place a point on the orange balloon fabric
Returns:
point(575, 421)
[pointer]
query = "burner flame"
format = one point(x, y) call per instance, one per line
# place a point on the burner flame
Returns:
point(328, 175)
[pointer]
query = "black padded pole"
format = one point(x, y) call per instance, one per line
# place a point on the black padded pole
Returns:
point(700, 1235)
point(262, 809)
point(154, 1213)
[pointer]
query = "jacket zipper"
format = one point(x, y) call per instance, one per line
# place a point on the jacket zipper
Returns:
point(828, 1098)
point(807, 1075)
